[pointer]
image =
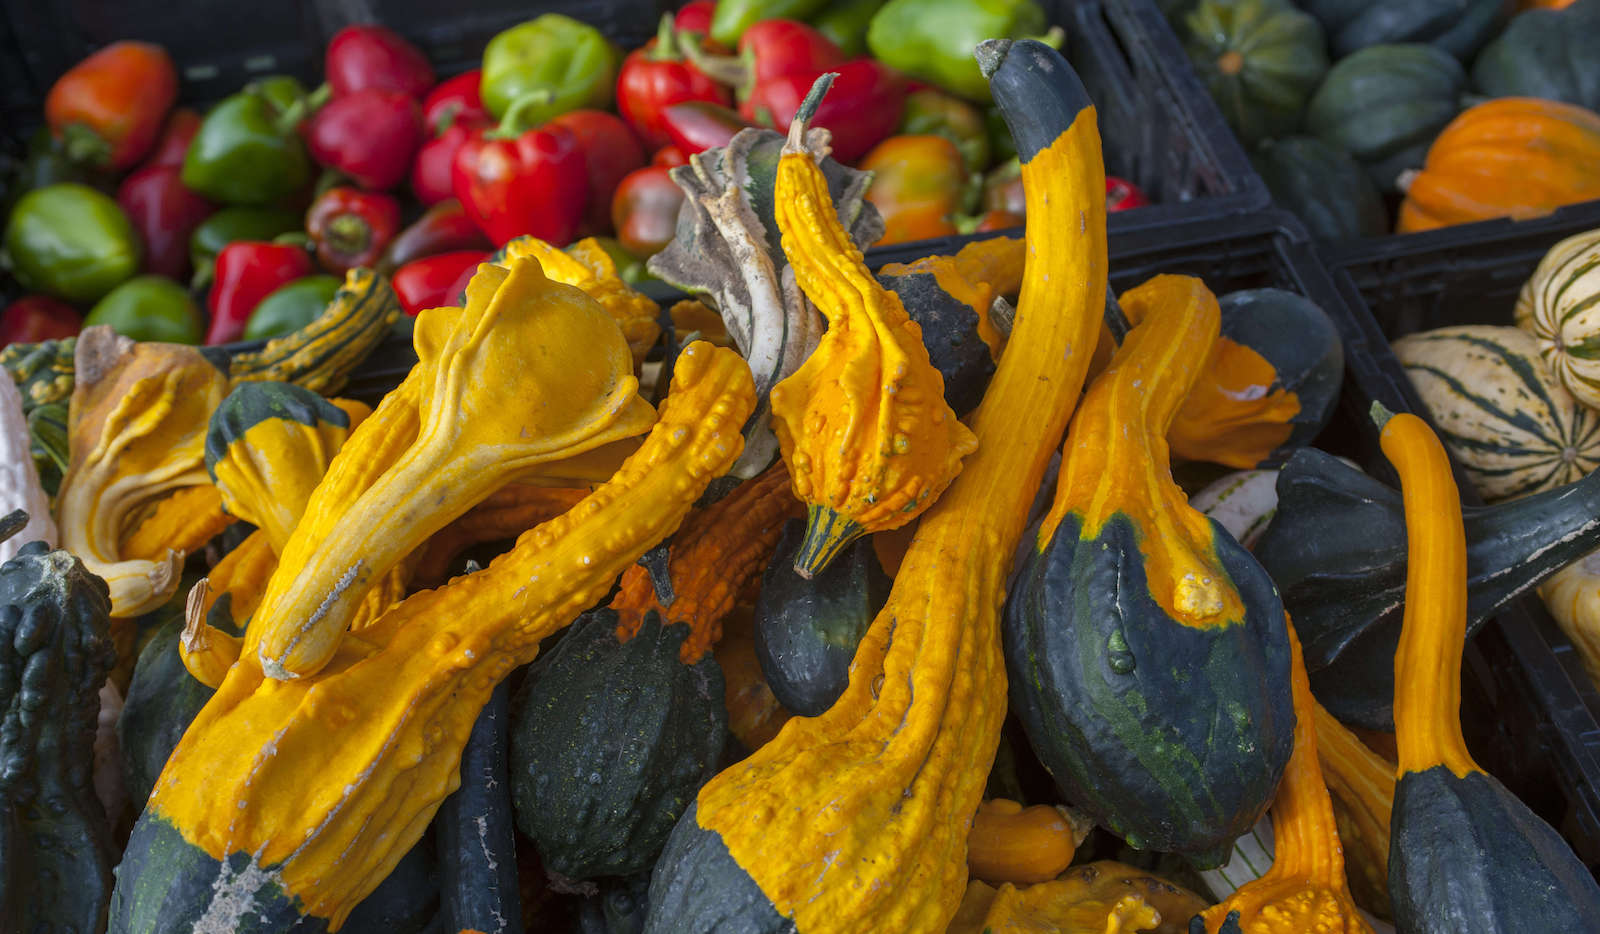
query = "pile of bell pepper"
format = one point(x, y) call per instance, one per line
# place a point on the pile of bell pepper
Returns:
point(239, 223)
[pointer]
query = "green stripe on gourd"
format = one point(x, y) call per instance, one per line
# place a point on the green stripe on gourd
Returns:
point(321, 355)
point(1560, 307)
point(1514, 429)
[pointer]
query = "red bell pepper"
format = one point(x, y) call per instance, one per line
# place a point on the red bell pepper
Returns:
point(246, 272)
point(668, 157)
point(514, 181)
point(1122, 194)
point(644, 211)
point(457, 100)
point(431, 282)
point(109, 107)
point(350, 227)
point(176, 134)
point(165, 213)
point(657, 76)
point(368, 135)
point(768, 50)
point(362, 58)
point(862, 109)
point(695, 126)
point(431, 170)
point(696, 17)
point(610, 151)
point(34, 318)
point(443, 228)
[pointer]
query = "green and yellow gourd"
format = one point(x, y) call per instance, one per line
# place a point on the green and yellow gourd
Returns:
point(1560, 306)
point(287, 801)
point(1465, 854)
point(1323, 185)
point(321, 355)
point(1147, 651)
point(857, 819)
point(1361, 784)
point(43, 373)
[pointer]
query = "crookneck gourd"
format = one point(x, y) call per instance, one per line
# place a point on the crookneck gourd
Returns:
point(1465, 854)
point(1560, 306)
point(1361, 783)
point(1337, 549)
point(1095, 898)
point(863, 424)
point(1305, 890)
point(1011, 843)
point(632, 693)
point(321, 355)
point(1147, 651)
point(56, 849)
point(138, 424)
point(287, 801)
point(775, 842)
point(19, 478)
point(589, 267)
point(530, 371)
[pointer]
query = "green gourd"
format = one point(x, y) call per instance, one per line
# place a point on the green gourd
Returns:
point(1460, 27)
point(1324, 186)
point(1260, 59)
point(1553, 54)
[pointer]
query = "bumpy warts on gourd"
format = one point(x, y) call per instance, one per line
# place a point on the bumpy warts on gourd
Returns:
point(137, 430)
point(588, 266)
point(531, 371)
point(1093, 898)
point(857, 819)
point(863, 424)
point(1305, 890)
point(291, 799)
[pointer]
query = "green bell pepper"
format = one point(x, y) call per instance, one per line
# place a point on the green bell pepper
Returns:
point(845, 22)
point(732, 17)
point(70, 241)
point(232, 224)
point(933, 112)
point(933, 39)
point(150, 308)
point(291, 307)
point(555, 61)
point(247, 150)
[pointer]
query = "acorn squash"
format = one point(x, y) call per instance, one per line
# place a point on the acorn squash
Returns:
point(1323, 185)
point(1260, 59)
point(1512, 427)
point(1464, 854)
point(1515, 157)
point(162, 699)
point(773, 843)
point(1128, 590)
point(289, 801)
point(1336, 548)
point(56, 850)
point(1459, 27)
point(1550, 54)
point(1560, 306)
point(1385, 104)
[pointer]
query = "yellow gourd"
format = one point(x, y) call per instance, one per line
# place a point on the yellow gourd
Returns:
point(1361, 783)
point(588, 266)
point(1011, 843)
point(182, 522)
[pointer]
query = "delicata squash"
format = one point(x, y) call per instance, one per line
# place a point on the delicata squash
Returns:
point(1464, 854)
point(856, 820)
point(863, 424)
point(1147, 652)
point(286, 802)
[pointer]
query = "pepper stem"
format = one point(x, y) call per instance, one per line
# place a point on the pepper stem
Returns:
point(513, 124)
point(723, 69)
point(808, 109)
point(665, 49)
point(292, 116)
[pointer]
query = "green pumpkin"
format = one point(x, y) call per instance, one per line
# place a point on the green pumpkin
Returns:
point(1337, 549)
point(1459, 27)
point(56, 849)
point(1324, 186)
point(807, 630)
point(609, 743)
point(1385, 104)
point(1553, 54)
point(1260, 59)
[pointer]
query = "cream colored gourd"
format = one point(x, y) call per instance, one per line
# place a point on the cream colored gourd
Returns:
point(1572, 596)
point(19, 478)
point(1560, 307)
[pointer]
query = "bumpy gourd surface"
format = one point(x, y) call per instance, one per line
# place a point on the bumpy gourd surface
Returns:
point(296, 798)
point(863, 424)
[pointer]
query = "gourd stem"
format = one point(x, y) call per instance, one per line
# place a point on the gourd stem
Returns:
point(827, 534)
point(1427, 703)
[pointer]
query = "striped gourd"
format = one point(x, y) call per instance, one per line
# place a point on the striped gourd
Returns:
point(1509, 423)
point(1560, 307)
point(321, 355)
point(1573, 598)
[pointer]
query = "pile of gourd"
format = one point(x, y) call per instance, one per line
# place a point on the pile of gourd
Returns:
point(780, 613)
point(1440, 106)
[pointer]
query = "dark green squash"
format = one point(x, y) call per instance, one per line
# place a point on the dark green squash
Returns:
point(950, 332)
point(1385, 104)
point(405, 902)
point(1324, 186)
point(477, 847)
point(807, 630)
point(609, 742)
point(163, 699)
point(618, 908)
point(1147, 651)
point(1460, 27)
point(1553, 54)
point(56, 850)
point(1260, 59)
point(1464, 853)
point(1337, 549)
